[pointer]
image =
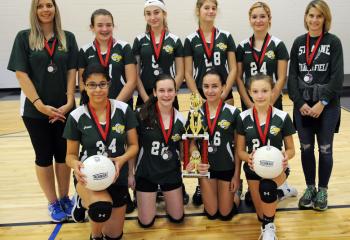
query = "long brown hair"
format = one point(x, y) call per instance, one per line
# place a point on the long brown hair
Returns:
point(324, 9)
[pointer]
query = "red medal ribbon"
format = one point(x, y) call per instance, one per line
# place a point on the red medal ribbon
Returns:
point(263, 136)
point(51, 50)
point(104, 62)
point(166, 134)
point(212, 125)
point(158, 49)
point(259, 59)
point(208, 51)
point(103, 133)
point(310, 59)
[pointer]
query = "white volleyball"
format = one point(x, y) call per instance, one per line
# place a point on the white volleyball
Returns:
point(267, 162)
point(99, 171)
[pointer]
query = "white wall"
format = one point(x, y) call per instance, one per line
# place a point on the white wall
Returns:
point(287, 22)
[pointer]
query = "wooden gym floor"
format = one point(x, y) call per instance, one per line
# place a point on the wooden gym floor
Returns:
point(23, 208)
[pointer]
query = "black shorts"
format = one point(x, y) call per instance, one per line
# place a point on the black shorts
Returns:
point(251, 175)
point(222, 175)
point(47, 140)
point(118, 193)
point(144, 185)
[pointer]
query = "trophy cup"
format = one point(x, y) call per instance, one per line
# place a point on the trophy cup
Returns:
point(195, 131)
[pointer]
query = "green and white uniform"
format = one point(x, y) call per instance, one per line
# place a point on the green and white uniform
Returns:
point(120, 56)
point(222, 156)
point(193, 47)
point(150, 163)
point(80, 127)
point(142, 47)
point(51, 87)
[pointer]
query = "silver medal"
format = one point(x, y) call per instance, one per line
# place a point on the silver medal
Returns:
point(51, 68)
point(212, 149)
point(167, 155)
point(308, 78)
point(156, 72)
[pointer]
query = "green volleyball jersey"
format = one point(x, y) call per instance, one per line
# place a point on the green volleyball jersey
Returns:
point(80, 127)
point(51, 87)
point(280, 126)
point(151, 162)
point(276, 50)
point(150, 68)
point(220, 146)
point(193, 47)
point(120, 56)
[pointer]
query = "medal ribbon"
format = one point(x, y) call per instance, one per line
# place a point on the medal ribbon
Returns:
point(104, 62)
point(259, 59)
point(212, 125)
point(157, 50)
point(310, 59)
point(208, 51)
point(103, 133)
point(166, 134)
point(50, 51)
point(262, 136)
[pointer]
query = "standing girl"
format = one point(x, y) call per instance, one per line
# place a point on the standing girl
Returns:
point(259, 126)
point(45, 61)
point(218, 192)
point(160, 130)
point(102, 126)
point(316, 76)
point(157, 51)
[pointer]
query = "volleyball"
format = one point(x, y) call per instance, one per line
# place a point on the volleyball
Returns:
point(267, 162)
point(99, 171)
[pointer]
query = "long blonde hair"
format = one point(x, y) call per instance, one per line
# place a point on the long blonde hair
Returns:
point(36, 36)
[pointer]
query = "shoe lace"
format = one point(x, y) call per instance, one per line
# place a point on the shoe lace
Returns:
point(66, 202)
point(321, 196)
point(56, 207)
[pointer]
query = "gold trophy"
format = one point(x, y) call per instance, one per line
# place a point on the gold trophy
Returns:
point(195, 131)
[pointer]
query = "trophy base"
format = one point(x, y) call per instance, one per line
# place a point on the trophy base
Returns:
point(195, 175)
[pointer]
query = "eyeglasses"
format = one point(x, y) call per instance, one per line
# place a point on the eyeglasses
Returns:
point(93, 85)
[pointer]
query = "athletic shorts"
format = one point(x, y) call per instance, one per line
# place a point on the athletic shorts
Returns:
point(222, 175)
point(251, 175)
point(144, 185)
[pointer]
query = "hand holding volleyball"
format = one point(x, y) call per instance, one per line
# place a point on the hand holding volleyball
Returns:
point(268, 162)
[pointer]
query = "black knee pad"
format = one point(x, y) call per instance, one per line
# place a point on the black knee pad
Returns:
point(211, 217)
point(100, 211)
point(146, 225)
point(229, 216)
point(174, 220)
point(268, 190)
point(110, 238)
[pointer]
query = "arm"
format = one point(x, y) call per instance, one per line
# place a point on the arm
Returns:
point(131, 82)
point(232, 65)
point(235, 182)
point(72, 159)
point(289, 149)
point(191, 83)
point(241, 87)
point(80, 79)
point(140, 88)
point(281, 81)
point(180, 71)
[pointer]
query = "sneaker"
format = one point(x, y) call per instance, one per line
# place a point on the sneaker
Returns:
point(285, 191)
point(197, 197)
point(66, 205)
point(269, 232)
point(56, 212)
point(78, 211)
point(186, 197)
point(130, 206)
point(320, 201)
point(306, 201)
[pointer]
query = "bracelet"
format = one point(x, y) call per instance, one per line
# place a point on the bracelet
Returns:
point(36, 100)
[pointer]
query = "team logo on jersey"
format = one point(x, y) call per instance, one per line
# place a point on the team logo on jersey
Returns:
point(176, 137)
point(274, 130)
point(169, 49)
point(224, 124)
point(221, 46)
point(119, 128)
point(270, 54)
point(116, 57)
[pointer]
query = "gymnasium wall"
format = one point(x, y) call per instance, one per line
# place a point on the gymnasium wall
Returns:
point(287, 22)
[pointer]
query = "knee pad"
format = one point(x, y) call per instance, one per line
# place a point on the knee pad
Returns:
point(100, 211)
point(174, 220)
point(116, 238)
point(211, 217)
point(229, 216)
point(268, 191)
point(146, 225)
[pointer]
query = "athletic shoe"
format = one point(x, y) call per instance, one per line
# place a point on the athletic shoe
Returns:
point(130, 205)
point(66, 205)
point(285, 191)
point(95, 238)
point(307, 200)
point(186, 197)
point(269, 232)
point(197, 197)
point(78, 211)
point(320, 202)
point(56, 212)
